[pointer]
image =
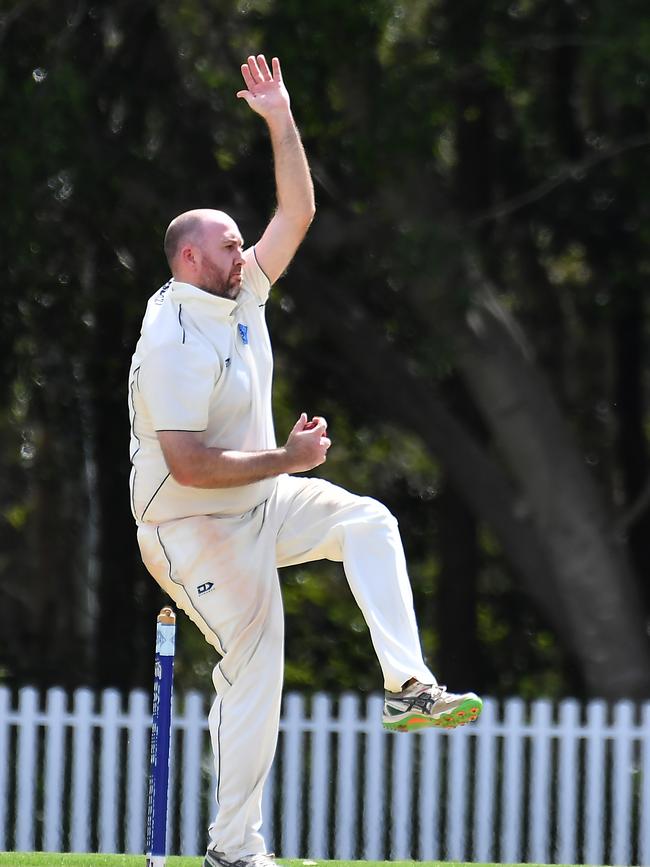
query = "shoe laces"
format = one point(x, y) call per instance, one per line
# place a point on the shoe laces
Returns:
point(425, 699)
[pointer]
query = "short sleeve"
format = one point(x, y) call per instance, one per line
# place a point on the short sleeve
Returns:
point(254, 278)
point(176, 381)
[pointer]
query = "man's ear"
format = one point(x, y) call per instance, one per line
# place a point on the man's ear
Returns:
point(187, 255)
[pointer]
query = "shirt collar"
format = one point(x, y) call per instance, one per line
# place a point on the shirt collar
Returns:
point(211, 305)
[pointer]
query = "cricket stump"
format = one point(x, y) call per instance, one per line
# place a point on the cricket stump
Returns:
point(163, 683)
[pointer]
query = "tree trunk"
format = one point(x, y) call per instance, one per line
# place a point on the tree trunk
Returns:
point(399, 395)
point(590, 566)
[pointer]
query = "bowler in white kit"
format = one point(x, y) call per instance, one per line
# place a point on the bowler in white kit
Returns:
point(217, 507)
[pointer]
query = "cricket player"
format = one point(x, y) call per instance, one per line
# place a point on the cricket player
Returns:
point(216, 501)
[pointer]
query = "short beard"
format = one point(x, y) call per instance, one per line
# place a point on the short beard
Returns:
point(215, 284)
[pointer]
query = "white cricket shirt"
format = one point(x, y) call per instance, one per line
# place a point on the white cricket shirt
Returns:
point(202, 363)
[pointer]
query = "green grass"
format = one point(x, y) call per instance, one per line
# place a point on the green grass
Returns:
point(46, 859)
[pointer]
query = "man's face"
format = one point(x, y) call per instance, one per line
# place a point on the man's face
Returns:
point(221, 260)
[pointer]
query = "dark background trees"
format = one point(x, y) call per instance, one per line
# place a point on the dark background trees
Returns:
point(469, 310)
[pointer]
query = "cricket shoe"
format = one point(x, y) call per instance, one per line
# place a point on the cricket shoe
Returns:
point(420, 706)
point(218, 859)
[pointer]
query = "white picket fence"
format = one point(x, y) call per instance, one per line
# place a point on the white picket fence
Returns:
point(537, 783)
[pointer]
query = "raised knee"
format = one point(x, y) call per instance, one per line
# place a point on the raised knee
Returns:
point(377, 512)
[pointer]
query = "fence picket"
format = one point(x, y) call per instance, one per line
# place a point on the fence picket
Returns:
point(458, 788)
point(375, 782)
point(194, 717)
point(401, 797)
point(28, 705)
point(540, 790)
point(644, 811)
point(108, 779)
point(138, 722)
point(5, 704)
point(622, 784)
point(82, 768)
point(429, 797)
point(511, 793)
point(484, 800)
point(568, 783)
point(54, 770)
point(291, 776)
point(346, 778)
point(595, 784)
point(319, 777)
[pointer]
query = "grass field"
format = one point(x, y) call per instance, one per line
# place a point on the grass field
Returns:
point(47, 859)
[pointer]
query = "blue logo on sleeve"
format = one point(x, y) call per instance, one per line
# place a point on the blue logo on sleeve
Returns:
point(243, 332)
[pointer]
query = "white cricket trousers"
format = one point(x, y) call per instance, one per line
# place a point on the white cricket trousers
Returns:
point(222, 572)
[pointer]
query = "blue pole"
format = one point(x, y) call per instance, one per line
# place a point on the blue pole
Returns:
point(160, 738)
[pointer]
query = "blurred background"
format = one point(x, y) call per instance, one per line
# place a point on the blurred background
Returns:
point(469, 311)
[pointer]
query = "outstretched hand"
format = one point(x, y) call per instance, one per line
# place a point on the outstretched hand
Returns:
point(266, 93)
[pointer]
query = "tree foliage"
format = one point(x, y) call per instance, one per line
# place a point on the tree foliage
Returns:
point(468, 311)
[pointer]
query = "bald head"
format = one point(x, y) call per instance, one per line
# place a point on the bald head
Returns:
point(190, 228)
point(204, 248)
